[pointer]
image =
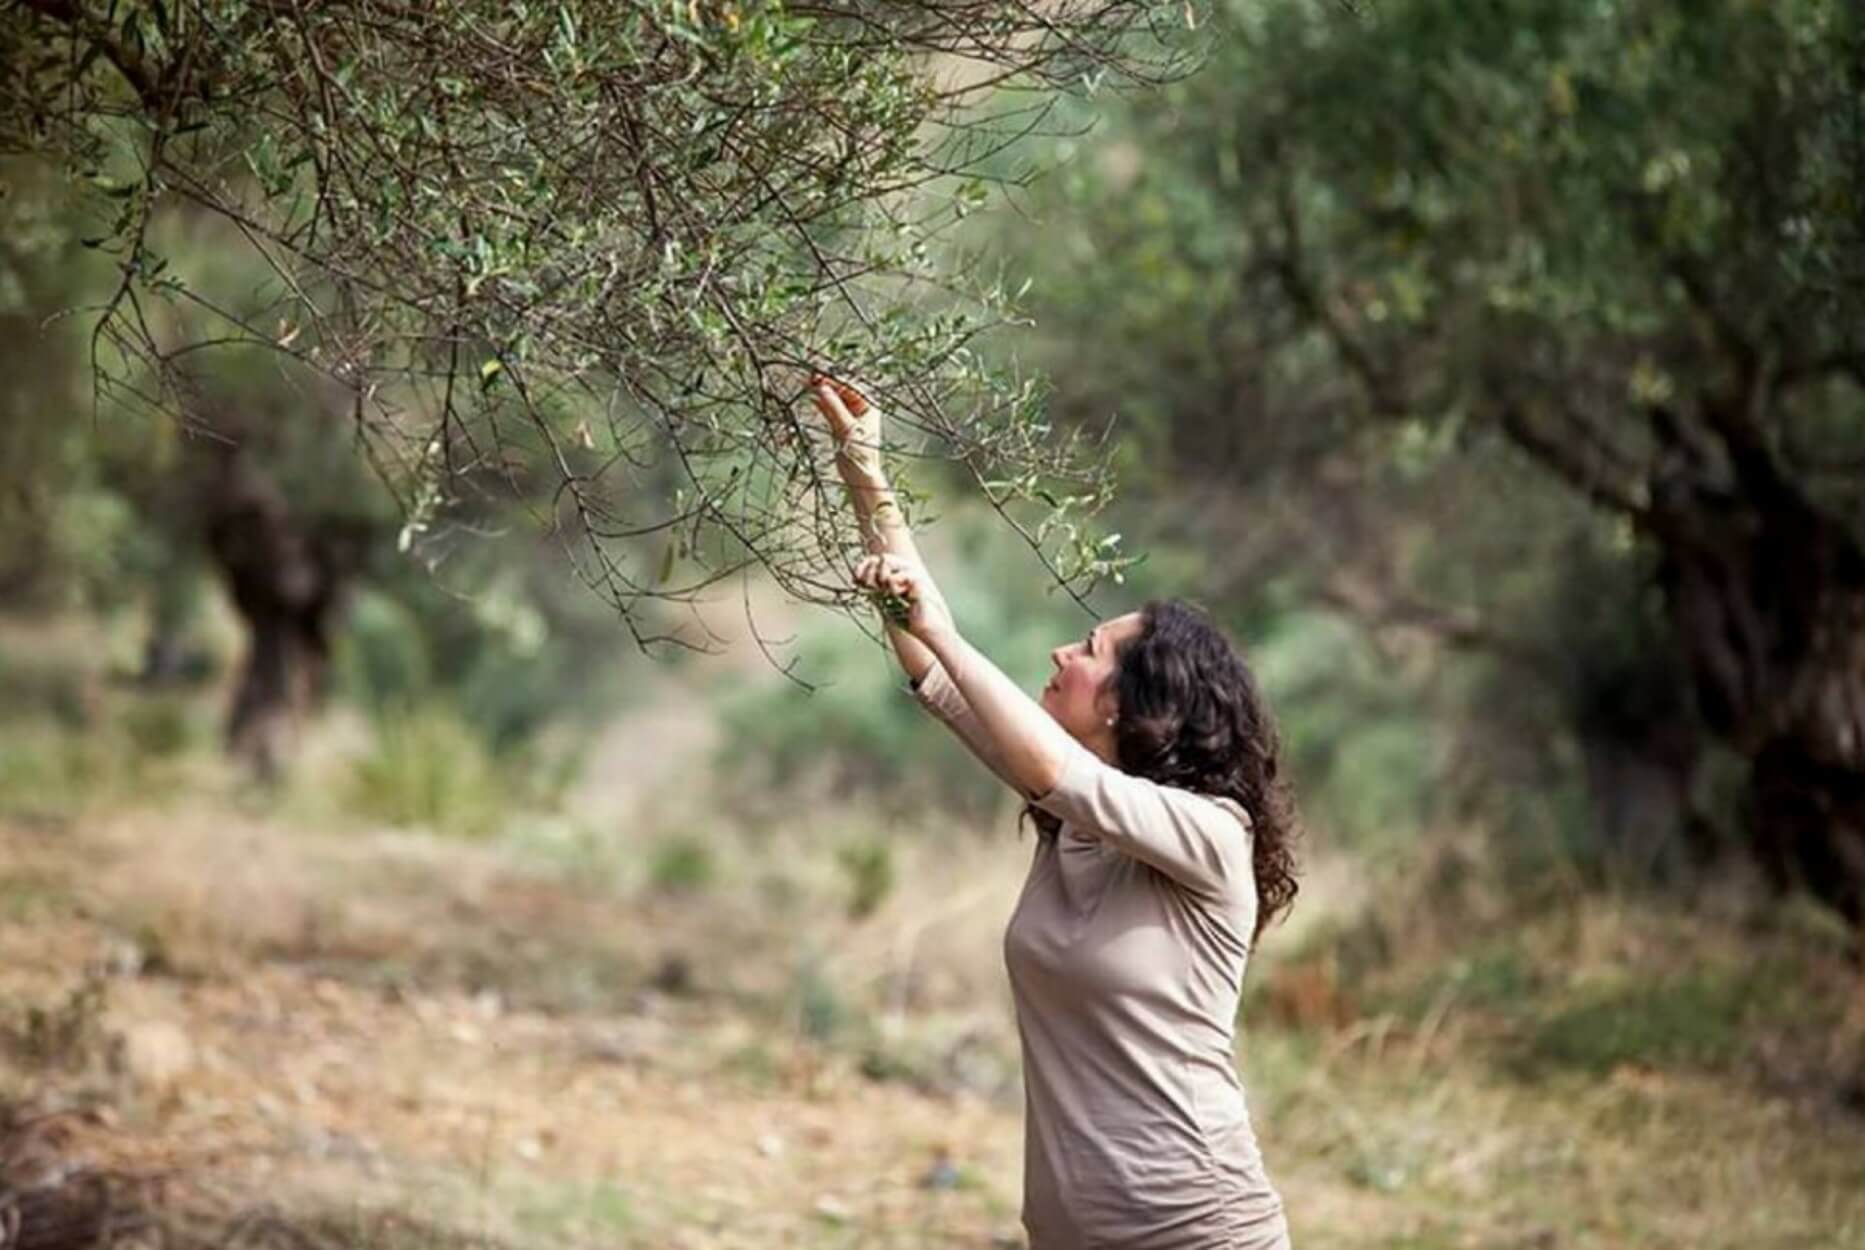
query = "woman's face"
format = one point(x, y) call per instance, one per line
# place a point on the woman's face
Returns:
point(1075, 695)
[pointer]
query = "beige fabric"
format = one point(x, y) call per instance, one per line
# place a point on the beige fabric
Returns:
point(1126, 954)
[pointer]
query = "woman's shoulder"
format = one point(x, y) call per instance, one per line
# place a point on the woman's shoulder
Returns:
point(1228, 803)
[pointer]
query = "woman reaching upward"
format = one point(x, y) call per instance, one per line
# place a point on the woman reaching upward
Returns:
point(1149, 764)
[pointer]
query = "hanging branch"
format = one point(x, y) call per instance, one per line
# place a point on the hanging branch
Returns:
point(590, 251)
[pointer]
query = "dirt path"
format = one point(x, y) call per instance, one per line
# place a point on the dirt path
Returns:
point(225, 1057)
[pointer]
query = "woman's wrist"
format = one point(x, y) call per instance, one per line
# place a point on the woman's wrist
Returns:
point(881, 520)
point(944, 641)
point(861, 473)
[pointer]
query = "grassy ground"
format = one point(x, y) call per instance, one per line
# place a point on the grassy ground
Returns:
point(667, 1028)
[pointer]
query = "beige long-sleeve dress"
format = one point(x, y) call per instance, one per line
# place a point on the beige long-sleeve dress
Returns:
point(1126, 954)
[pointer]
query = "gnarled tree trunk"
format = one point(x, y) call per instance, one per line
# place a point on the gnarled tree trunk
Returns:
point(1767, 596)
point(287, 576)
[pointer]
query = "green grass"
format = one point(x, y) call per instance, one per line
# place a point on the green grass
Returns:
point(868, 866)
point(1695, 1020)
point(682, 864)
point(600, 1210)
point(428, 769)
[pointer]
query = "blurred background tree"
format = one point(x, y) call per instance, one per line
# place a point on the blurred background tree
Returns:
point(1531, 333)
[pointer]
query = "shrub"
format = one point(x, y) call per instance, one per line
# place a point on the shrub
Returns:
point(682, 864)
point(161, 726)
point(869, 866)
point(1694, 1020)
point(430, 769)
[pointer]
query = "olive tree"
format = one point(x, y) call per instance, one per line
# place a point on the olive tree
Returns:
point(1622, 243)
point(582, 255)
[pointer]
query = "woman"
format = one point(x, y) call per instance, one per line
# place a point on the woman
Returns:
point(1149, 764)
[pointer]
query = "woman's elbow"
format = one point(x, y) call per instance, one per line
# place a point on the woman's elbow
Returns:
point(1041, 776)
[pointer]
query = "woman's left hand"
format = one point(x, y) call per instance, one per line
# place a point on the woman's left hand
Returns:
point(856, 426)
point(906, 595)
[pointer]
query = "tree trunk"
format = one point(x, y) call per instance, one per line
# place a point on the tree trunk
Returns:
point(1649, 827)
point(287, 578)
point(279, 682)
point(1768, 601)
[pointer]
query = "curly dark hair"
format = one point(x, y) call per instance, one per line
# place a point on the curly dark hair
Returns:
point(1191, 715)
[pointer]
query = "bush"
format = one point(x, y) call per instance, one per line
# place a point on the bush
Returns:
point(682, 864)
point(503, 631)
point(1695, 1020)
point(430, 769)
point(43, 692)
point(822, 1012)
point(869, 866)
point(49, 774)
point(162, 726)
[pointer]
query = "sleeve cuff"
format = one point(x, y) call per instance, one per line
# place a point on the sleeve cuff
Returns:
point(938, 695)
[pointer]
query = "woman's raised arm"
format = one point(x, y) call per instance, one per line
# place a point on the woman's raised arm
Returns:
point(856, 426)
point(1021, 741)
point(1031, 744)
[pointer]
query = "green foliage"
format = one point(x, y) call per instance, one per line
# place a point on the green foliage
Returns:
point(163, 725)
point(822, 1012)
point(858, 726)
point(35, 689)
point(1501, 977)
point(67, 537)
point(111, 512)
point(1511, 220)
point(72, 741)
point(48, 776)
point(428, 768)
point(503, 632)
point(593, 268)
point(682, 864)
point(1482, 313)
point(1691, 1021)
point(1558, 984)
point(868, 864)
point(382, 656)
point(1361, 741)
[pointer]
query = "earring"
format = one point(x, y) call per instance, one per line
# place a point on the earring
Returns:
point(1110, 722)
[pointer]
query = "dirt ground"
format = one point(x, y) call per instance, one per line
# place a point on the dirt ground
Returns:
point(229, 1024)
point(384, 1038)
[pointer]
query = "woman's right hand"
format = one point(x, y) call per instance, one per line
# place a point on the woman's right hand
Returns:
point(906, 594)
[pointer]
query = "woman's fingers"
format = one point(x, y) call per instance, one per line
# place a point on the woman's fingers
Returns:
point(886, 573)
point(830, 404)
point(876, 572)
point(852, 400)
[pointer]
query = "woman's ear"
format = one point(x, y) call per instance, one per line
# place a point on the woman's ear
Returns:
point(1107, 706)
